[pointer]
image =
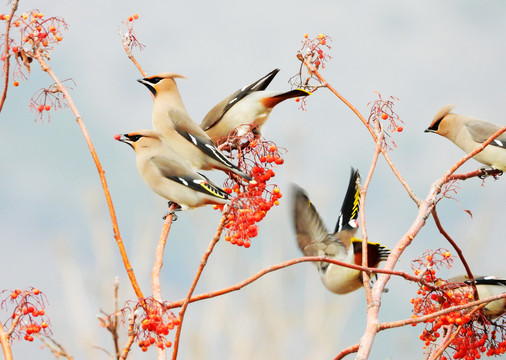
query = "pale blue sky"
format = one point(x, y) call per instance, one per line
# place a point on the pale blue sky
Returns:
point(55, 229)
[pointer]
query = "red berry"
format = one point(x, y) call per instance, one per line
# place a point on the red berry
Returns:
point(47, 108)
point(400, 128)
point(36, 291)
point(384, 116)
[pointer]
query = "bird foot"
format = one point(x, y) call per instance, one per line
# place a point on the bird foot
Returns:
point(172, 211)
point(486, 173)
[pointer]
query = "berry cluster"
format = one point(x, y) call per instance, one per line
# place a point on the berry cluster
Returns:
point(130, 41)
point(154, 325)
point(252, 201)
point(473, 334)
point(46, 99)
point(37, 34)
point(312, 55)
point(383, 111)
point(28, 317)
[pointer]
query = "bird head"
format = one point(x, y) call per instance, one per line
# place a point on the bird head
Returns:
point(163, 82)
point(139, 139)
point(437, 125)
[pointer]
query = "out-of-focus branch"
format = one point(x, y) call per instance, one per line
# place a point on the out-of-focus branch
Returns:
point(7, 62)
point(56, 348)
point(203, 263)
point(131, 335)
point(100, 170)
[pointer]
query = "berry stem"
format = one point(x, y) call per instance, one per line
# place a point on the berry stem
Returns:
point(38, 56)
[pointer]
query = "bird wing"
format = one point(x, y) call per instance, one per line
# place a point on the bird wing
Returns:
point(347, 225)
point(488, 280)
point(194, 134)
point(173, 170)
point(218, 111)
point(312, 237)
point(482, 130)
point(375, 252)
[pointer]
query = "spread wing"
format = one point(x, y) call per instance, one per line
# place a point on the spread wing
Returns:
point(218, 111)
point(312, 237)
point(347, 220)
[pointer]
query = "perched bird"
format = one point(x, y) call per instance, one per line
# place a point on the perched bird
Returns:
point(314, 240)
point(173, 122)
point(169, 175)
point(249, 106)
point(468, 133)
point(487, 286)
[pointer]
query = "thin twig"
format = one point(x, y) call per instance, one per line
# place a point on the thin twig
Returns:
point(315, 72)
point(157, 266)
point(57, 349)
point(363, 192)
point(7, 62)
point(131, 335)
point(349, 350)
point(100, 170)
point(203, 263)
point(458, 250)
point(420, 319)
point(246, 282)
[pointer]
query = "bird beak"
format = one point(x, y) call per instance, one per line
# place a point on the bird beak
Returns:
point(148, 85)
point(429, 130)
point(124, 140)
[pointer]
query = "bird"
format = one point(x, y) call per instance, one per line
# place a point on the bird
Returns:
point(171, 119)
point(170, 175)
point(487, 286)
point(314, 240)
point(468, 133)
point(249, 106)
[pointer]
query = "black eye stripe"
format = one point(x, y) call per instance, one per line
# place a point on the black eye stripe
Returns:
point(133, 138)
point(154, 80)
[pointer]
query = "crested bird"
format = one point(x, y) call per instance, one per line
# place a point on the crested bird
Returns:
point(487, 286)
point(468, 133)
point(173, 122)
point(246, 109)
point(168, 174)
point(314, 240)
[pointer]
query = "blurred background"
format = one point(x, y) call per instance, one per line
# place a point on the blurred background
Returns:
point(55, 231)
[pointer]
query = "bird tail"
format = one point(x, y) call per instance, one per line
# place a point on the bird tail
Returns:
point(375, 252)
point(347, 219)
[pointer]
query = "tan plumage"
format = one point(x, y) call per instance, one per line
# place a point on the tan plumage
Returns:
point(169, 175)
point(487, 286)
point(314, 240)
point(468, 133)
point(173, 122)
point(249, 106)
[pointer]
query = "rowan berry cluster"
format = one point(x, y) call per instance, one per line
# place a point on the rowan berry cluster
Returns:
point(382, 112)
point(256, 157)
point(154, 324)
point(473, 334)
point(130, 41)
point(37, 34)
point(313, 50)
point(28, 317)
point(46, 99)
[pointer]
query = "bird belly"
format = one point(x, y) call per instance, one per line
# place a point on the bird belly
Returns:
point(492, 155)
point(340, 279)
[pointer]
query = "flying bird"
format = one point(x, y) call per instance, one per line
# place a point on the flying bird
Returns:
point(169, 175)
point(468, 133)
point(246, 109)
point(314, 239)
